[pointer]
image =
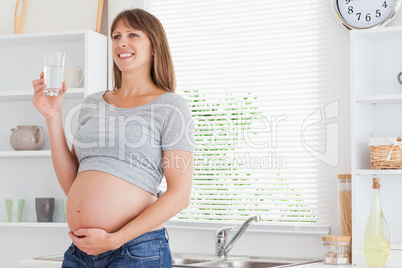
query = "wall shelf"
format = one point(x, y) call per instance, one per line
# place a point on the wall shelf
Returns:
point(21, 154)
point(379, 172)
point(17, 95)
point(43, 38)
point(34, 224)
point(392, 98)
point(393, 247)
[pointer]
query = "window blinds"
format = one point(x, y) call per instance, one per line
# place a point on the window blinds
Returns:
point(253, 72)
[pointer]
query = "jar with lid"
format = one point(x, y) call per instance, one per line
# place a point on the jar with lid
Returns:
point(337, 249)
point(345, 204)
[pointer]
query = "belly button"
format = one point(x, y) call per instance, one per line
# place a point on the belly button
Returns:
point(78, 210)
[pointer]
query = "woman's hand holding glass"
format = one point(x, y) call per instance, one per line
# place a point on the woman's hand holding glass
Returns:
point(48, 106)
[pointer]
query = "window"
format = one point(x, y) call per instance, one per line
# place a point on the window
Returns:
point(254, 72)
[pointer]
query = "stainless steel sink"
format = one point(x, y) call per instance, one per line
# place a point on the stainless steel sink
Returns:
point(246, 264)
point(178, 262)
point(209, 261)
point(191, 260)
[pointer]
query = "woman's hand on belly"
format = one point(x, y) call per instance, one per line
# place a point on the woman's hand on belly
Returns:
point(100, 204)
point(93, 241)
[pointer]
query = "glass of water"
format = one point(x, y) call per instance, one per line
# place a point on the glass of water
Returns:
point(54, 69)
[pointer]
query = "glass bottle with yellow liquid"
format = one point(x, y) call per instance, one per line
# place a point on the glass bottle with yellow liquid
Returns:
point(376, 235)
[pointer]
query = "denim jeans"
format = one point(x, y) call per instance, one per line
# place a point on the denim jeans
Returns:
point(150, 250)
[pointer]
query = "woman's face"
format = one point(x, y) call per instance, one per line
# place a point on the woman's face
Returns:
point(132, 50)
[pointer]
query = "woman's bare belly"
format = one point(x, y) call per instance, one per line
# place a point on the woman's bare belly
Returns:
point(100, 200)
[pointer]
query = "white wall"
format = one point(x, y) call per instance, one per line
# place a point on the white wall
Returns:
point(283, 245)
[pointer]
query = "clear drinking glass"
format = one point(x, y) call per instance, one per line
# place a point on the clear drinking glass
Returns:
point(54, 69)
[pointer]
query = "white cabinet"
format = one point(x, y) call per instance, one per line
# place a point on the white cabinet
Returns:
point(30, 174)
point(376, 60)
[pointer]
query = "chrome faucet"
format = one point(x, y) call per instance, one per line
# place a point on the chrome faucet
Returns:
point(221, 249)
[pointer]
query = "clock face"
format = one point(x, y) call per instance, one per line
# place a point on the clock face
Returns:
point(366, 13)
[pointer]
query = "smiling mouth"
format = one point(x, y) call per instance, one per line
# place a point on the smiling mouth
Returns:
point(125, 55)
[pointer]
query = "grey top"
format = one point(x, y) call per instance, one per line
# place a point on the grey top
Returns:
point(128, 142)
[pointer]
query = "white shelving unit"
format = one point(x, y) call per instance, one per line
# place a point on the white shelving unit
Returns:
point(30, 174)
point(376, 59)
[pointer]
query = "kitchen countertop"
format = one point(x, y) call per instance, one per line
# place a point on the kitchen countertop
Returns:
point(57, 264)
point(30, 263)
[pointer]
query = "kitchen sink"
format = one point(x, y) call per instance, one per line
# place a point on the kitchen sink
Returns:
point(209, 261)
point(246, 264)
point(178, 262)
point(191, 260)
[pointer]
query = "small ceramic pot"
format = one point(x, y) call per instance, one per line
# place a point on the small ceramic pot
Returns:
point(27, 137)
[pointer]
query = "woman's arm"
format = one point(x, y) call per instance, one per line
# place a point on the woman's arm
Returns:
point(178, 167)
point(65, 163)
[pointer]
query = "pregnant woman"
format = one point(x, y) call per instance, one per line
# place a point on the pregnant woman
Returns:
point(128, 140)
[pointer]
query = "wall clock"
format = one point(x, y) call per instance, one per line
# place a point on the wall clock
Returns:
point(365, 14)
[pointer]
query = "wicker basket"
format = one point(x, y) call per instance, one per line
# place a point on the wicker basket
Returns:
point(387, 156)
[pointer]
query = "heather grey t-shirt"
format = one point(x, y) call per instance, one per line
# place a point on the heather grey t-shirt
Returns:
point(128, 142)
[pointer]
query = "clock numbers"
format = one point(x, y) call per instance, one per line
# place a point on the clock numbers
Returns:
point(364, 13)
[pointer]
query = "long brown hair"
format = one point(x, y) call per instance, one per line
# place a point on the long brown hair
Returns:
point(162, 71)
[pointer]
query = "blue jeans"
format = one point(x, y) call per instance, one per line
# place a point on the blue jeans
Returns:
point(150, 250)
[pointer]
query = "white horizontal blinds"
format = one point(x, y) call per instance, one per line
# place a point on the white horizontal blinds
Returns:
point(253, 72)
